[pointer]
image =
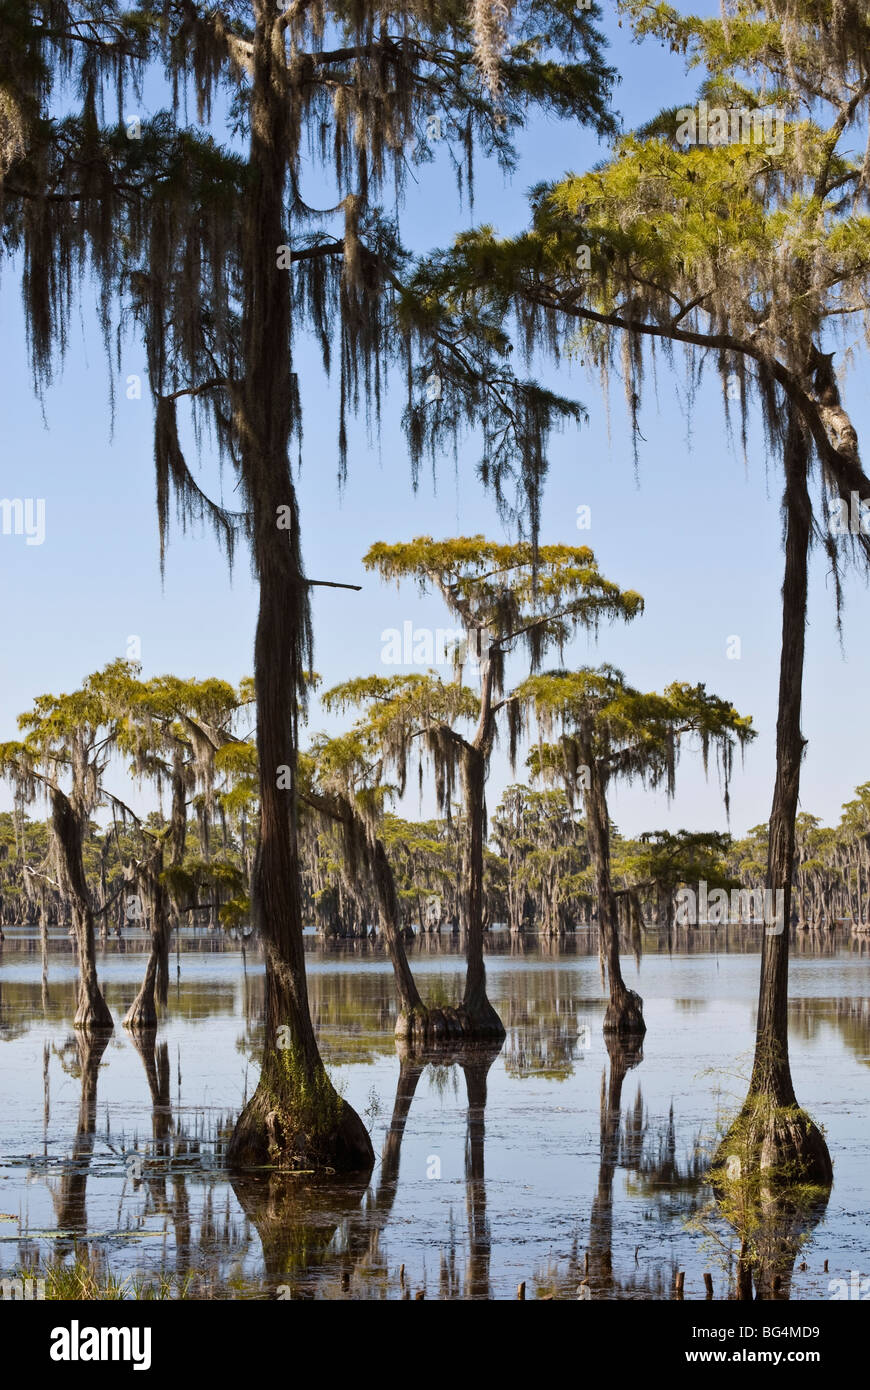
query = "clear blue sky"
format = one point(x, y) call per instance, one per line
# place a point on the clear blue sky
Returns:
point(697, 533)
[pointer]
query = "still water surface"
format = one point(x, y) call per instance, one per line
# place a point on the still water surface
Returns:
point(549, 1162)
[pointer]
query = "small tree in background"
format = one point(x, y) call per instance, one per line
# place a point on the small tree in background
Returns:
point(542, 840)
point(660, 861)
point(172, 730)
point(340, 781)
point(609, 731)
point(505, 596)
point(66, 750)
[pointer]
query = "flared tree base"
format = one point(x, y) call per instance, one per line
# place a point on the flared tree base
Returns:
point(624, 1017)
point(780, 1143)
point(141, 1015)
point(92, 1013)
point(771, 1176)
point(303, 1128)
point(438, 1026)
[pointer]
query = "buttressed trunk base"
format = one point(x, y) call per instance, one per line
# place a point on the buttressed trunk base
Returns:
point(428, 1027)
point(297, 1121)
point(142, 1013)
point(771, 1176)
point(624, 1016)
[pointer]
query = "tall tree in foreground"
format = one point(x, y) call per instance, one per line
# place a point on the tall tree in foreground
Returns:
point(226, 262)
point(377, 73)
point(750, 251)
point(506, 597)
point(609, 731)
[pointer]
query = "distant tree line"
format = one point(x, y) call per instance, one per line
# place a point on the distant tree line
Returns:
point(538, 872)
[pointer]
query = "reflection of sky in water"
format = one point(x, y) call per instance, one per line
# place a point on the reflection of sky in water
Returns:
point(543, 1117)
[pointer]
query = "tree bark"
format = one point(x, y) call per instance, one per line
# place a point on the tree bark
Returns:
point(340, 808)
point(772, 1130)
point(91, 1009)
point(177, 843)
point(480, 1018)
point(295, 1117)
point(624, 1016)
point(388, 912)
point(143, 1011)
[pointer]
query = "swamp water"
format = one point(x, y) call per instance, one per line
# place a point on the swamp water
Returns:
point(549, 1162)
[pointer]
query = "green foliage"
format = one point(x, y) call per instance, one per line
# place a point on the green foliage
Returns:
point(629, 734)
point(668, 860)
point(541, 594)
point(235, 912)
point(752, 255)
point(159, 220)
point(537, 868)
point(78, 1282)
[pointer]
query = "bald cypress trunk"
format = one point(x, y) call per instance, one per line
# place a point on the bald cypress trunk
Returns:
point(155, 986)
point(624, 1016)
point(388, 912)
point(142, 1013)
point(474, 1018)
point(177, 840)
point(295, 1117)
point(772, 1130)
point(340, 808)
point(177, 843)
point(91, 1008)
point(480, 1018)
